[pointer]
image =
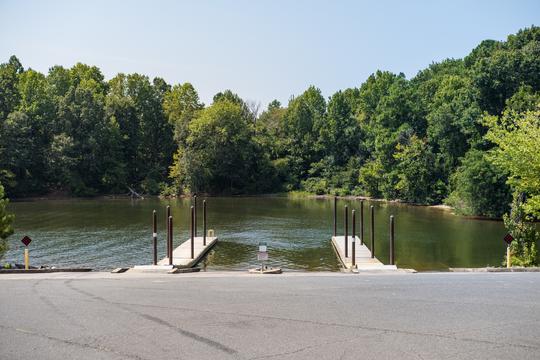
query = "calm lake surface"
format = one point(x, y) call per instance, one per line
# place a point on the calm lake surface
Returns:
point(104, 234)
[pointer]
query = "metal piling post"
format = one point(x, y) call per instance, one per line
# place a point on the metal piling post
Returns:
point(154, 236)
point(195, 217)
point(335, 215)
point(168, 215)
point(192, 232)
point(362, 222)
point(392, 240)
point(170, 241)
point(372, 233)
point(346, 231)
point(204, 222)
point(353, 238)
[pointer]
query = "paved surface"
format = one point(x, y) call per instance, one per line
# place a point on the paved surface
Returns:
point(363, 259)
point(289, 316)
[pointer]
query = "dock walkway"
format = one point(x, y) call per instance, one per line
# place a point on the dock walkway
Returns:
point(363, 258)
point(182, 254)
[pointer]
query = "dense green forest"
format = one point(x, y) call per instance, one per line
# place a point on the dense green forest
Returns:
point(431, 139)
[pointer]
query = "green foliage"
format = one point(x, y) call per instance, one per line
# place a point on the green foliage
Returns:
point(6, 220)
point(416, 164)
point(419, 140)
point(220, 154)
point(478, 187)
point(517, 136)
point(524, 248)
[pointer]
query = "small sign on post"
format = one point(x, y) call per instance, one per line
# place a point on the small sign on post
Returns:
point(262, 255)
point(26, 241)
point(508, 238)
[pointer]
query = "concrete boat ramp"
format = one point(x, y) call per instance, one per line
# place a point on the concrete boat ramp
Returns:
point(363, 259)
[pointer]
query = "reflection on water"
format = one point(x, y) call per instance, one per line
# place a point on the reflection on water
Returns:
point(103, 234)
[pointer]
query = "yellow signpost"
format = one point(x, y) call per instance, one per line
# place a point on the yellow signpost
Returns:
point(26, 241)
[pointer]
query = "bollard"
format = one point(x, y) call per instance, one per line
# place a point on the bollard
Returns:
point(154, 236)
point(170, 241)
point(346, 231)
point(195, 217)
point(353, 238)
point(168, 215)
point(335, 215)
point(392, 240)
point(204, 222)
point(192, 232)
point(362, 222)
point(372, 232)
point(26, 259)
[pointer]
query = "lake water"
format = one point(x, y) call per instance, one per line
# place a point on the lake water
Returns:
point(104, 234)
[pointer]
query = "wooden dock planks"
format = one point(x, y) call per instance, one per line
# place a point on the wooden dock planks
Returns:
point(182, 254)
point(363, 258)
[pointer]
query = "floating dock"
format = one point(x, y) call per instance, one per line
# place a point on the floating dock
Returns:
point(363, 259)
point(182, 254)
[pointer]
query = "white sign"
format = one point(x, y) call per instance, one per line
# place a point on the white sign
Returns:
point(262, 247)
point(262, 256)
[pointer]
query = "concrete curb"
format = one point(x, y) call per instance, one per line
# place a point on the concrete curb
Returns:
point(42, 271)
point(494, 269)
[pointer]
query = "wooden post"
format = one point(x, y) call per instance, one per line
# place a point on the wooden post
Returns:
point(192, 232)
point(154, 236)
point(353, 238)
point(346, 231)
point(392, 260)
point(204, 222)
point(372, 232)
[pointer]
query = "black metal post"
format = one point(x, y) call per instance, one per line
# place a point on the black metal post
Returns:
point(362, 222)
point(346, 231)
point(204, 222)
point(195, 217)
point(372, 232)
point(192, 232)
point(335, 215)
point(154, 236)
point(392, 240)
point(170, 241)
point(353, 238)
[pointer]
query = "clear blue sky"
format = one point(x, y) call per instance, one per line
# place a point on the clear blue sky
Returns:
point(260, 49)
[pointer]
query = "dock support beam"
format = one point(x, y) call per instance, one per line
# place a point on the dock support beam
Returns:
point(204, 222)
point(192, 232)
point(154, 236)
point(170, 241)
point(353, 238)
point(335, 215)
point(362, 222)
point(346, 231)
point(372, 233)
point(392, 240)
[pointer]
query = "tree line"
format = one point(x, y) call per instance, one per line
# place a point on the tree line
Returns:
point(422, 140)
